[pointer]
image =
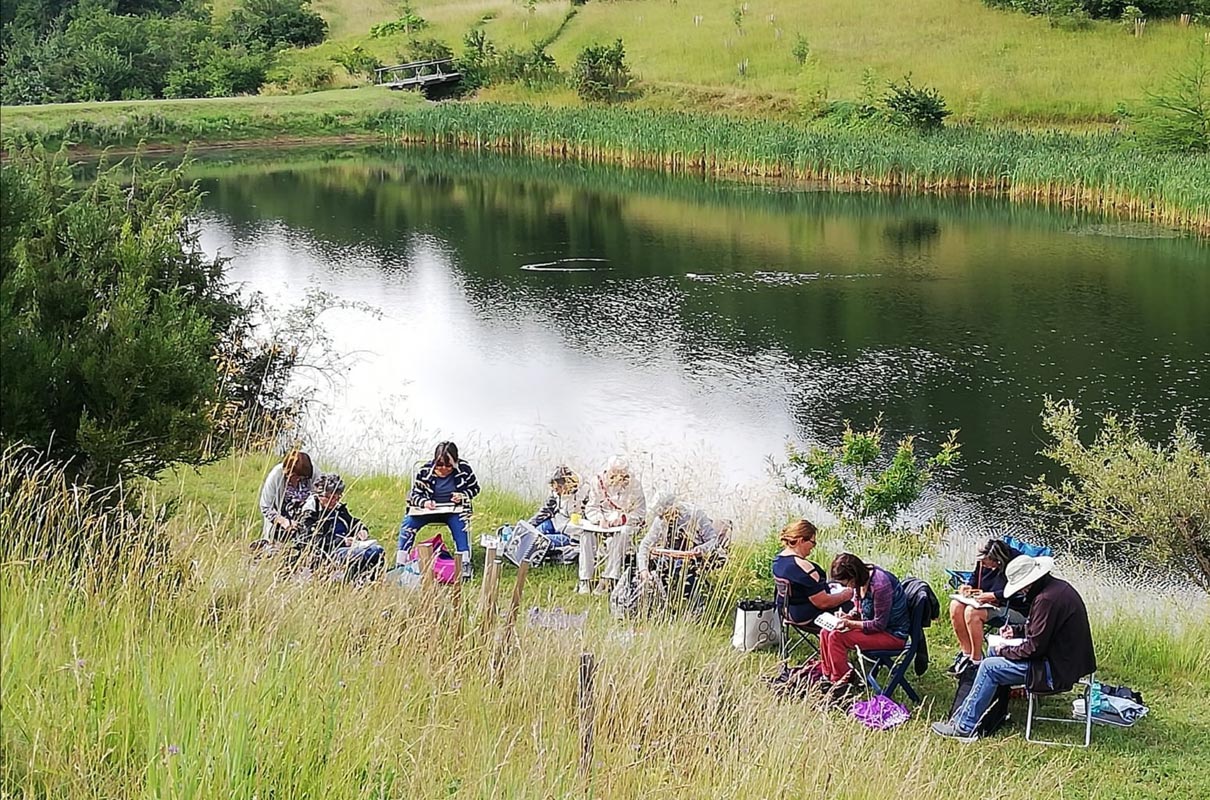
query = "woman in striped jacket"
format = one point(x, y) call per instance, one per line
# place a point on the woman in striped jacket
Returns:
point(444, 481)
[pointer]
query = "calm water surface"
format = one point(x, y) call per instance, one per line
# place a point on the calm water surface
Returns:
point(539, 312)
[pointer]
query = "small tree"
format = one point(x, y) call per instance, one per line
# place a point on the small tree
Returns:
point(600, 72)
point(112, 318)
point(1177, 117)
point(1121, 491)
point(920, 107)
point(801, 49)
point(861, 484)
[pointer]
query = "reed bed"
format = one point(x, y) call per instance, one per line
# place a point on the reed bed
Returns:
point(1092, 172)
point(192, 672)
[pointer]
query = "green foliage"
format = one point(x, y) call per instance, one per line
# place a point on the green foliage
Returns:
point(409, 23)
point(1177, 117)
point(112, 317)
point(1121, 491)
point(861, 483)
point(1073, 11)
point(919, 107)
point(301, 78)
point(275, 23)
point(801, 50)
point(600, 72)
point(95, 53)
point(356, 61)
point(427, 50)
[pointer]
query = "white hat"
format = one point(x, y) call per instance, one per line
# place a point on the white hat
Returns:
point(1024, 570)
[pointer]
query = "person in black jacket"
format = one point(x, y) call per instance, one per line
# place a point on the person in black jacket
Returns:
point(986, 588)
point(1056, 650)
point(332, 535)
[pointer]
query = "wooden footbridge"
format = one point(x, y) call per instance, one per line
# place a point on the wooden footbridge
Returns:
point(428, 76)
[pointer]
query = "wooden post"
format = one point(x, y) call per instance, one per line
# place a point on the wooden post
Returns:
point(457, 598)
point(507, 636)
point(487, 597)
point(587, 709)
point(426, 567)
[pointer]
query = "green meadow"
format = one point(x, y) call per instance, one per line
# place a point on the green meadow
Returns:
point(991, 65)
point(200, 673)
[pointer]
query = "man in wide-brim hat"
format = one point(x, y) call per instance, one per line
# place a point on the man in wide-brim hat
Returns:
point(1055, 653)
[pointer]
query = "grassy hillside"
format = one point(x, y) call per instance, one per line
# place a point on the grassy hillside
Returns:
point(213, 678)
point(991, 65)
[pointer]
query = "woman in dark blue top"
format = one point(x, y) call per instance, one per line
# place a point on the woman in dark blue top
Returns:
point(802, 585)
point(990, 607)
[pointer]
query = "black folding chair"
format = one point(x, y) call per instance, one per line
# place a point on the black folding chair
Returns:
point(804, 634)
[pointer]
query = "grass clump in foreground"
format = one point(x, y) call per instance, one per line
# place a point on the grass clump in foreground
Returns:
point(199, 674)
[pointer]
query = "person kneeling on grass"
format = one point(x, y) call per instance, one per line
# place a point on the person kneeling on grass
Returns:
point(443, 481)
point(1055, 653)
point(332, 535)
point(808, 593)
point(880, 621)
point(987, 587)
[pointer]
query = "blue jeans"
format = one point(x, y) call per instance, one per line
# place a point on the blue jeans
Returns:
point(410, 525)
point(364, 563)
point(994, 672)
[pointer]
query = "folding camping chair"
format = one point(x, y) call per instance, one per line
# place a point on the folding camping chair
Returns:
point(1031, 715)
point(897, 662)
point(803, 633)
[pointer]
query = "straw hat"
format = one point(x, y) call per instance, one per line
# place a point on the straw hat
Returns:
point(1024, 570)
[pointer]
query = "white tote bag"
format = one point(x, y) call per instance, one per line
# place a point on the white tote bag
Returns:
point(756, 626)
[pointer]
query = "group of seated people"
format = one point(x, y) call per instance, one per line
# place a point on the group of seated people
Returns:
point(303, 509)
point(1048, 641)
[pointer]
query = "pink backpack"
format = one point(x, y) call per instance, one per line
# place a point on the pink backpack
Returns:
point(445, 566)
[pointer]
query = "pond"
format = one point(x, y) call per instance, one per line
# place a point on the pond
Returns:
point(538, 312)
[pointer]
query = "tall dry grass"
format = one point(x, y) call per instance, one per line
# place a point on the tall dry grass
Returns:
point(197, 673)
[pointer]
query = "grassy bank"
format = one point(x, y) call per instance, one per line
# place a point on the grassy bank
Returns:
point(209, 678)
point(216, 120)
point(992, 66)
point(1092, 172)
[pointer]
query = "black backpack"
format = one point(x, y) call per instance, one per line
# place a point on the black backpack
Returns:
point(997, 713)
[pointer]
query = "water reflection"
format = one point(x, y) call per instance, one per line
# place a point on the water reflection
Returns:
point(549, 310)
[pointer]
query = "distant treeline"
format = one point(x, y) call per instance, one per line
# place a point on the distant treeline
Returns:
point(1107, 9)
point(57, 51)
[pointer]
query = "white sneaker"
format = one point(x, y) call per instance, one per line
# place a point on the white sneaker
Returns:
point(583, 588)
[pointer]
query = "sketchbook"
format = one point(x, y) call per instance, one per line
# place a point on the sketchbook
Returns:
point(442, 508)
point(970, 601)
point(995, 642)
point(828, 621)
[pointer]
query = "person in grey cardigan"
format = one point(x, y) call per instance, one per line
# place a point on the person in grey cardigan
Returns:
point(285, 490)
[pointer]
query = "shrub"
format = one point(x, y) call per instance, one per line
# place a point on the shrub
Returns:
point(859, 482)
point(912, 106)
point(600, 72)
point(1177, 117)
point(276, 23)
point(356, 61)
point(112, 316)
point(1123, 492)
point(801, 49)
point(427, 50)
point(409, 22)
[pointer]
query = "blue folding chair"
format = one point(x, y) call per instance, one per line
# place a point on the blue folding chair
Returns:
point(897, 662)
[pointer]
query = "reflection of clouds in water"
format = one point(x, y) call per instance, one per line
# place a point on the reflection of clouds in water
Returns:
point(514, 389)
